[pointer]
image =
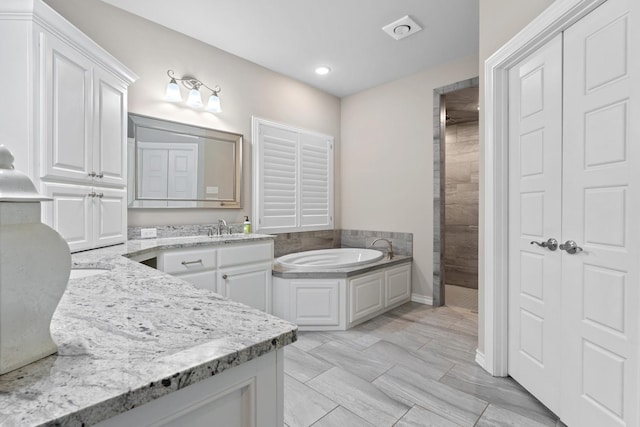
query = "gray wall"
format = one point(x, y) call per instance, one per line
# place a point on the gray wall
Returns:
point(461, 205)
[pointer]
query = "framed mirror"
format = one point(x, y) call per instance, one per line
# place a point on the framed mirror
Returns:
point(175, 165)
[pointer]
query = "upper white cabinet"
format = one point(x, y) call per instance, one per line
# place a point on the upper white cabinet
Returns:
point(293, 179)
point(67, 122)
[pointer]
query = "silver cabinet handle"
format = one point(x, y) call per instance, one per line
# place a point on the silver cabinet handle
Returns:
point(92, 174)
point(191, 262)
point(571, 247)
point(100, 175)
point(92, 194)
point(551, 244)
point(225, 277)
point(100, 195)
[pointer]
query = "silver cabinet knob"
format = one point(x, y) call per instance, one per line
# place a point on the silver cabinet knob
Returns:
point(225, 277)
point(571, 247)
point(551, 244)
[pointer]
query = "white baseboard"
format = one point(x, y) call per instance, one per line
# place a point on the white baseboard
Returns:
point(422, 299)
point(480, 359)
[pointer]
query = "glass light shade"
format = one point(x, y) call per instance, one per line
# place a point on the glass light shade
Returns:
point(194, 100)
point(213, 106)
point(173, 92)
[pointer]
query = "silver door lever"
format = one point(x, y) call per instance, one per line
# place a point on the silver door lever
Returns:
point(571, 247)
point(551, 244)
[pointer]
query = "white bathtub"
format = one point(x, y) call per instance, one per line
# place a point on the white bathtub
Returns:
point(328, 259)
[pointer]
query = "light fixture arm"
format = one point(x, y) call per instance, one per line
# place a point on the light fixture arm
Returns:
point(192, 83)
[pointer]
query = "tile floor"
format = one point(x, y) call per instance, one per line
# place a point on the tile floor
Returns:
point(458, 296)
point(413, 366)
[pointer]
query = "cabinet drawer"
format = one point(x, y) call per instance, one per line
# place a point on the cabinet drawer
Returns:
point(186, 260)
point(245, 254)
point(201, 279)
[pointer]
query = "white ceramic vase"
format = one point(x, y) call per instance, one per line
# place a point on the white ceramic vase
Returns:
point(34, 270)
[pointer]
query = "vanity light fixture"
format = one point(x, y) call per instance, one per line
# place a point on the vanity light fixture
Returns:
point(194, 99)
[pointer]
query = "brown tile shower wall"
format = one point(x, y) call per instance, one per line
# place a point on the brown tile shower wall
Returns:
point(287, 243)
point(461, 205)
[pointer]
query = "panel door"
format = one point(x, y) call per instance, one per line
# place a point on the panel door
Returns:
point(535, 176)
point(70, 213)
point(153, 172)
point(316, 303)
point(110, 127)
point(110, 216)
point(182, 180)
point(66, 94)
point(366, 296)
point(398, 285)
point(250, 285)
point(202, 279)
point(601, 212)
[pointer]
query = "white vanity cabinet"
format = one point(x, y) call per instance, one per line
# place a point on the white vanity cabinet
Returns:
point(196, 266)
point(240, 271)
point(68, 123)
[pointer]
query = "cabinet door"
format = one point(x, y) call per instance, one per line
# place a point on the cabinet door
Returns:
point(65, 108)
point(398, 285)
point(110, 216)
point(366, 296)
point(249, 285)
point(70, 213)
point(110, 127)
point(315, 303)
point(201, 279)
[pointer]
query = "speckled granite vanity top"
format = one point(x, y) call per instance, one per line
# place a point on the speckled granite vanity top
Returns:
point(132, 334)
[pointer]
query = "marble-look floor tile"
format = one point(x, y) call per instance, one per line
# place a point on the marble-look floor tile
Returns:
point(341, 417)
point(302, 405)
point(351, 360)
point(433, 351)
point(302, 366)
point(392, 354)
point(359, 397)
point(353, 337)
point(442, 336)
point(495, 416)
point(396, 331)
point(414, 389)
point(310, 340)
point(503, 392)
point(420, 417)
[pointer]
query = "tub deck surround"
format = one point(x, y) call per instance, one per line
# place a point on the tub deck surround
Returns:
point(133, 334)
point(293, 273)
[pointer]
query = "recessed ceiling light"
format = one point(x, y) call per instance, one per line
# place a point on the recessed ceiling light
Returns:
point(322, 70)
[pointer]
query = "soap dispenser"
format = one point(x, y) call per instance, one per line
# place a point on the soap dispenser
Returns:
point(246, 225)
point(35, 264)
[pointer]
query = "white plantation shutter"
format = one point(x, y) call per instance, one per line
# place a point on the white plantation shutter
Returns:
point(316, 172)
point(293, 179)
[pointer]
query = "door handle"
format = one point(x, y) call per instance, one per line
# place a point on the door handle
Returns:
point(551, 244)
point(571, 247)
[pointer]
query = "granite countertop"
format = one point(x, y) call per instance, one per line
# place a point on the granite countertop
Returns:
point(133, 334)
point(292, 273)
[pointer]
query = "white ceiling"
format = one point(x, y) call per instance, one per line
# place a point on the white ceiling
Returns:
point(292, 37)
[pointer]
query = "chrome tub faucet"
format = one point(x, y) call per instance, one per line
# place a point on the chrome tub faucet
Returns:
point(389, 247)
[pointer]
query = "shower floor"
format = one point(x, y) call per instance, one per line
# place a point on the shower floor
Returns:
point(458, 296)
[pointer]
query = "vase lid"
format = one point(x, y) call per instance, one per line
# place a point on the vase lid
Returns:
point(15, 186)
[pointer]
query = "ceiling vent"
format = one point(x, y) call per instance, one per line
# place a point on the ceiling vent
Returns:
point(403, 27)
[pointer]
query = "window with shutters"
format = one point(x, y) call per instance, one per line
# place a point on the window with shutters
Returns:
point(292, 179)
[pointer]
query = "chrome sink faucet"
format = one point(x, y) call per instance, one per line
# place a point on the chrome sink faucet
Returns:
point(389, 248)
point(222, 226)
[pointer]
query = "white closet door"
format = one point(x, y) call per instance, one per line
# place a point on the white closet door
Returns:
point(602, 214)
point(183, 172)
point(153, 172)
point(535, 176)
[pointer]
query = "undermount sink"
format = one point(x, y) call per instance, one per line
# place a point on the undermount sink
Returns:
point(78, 273)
